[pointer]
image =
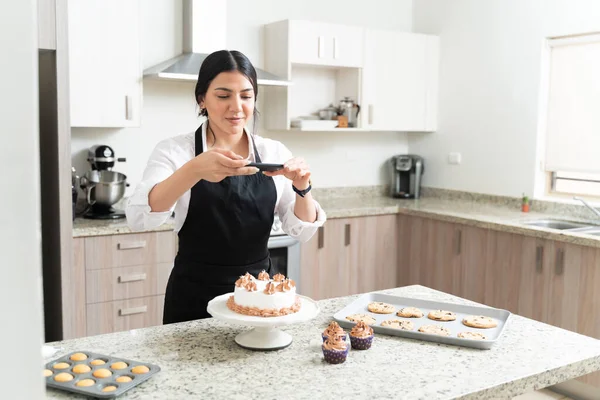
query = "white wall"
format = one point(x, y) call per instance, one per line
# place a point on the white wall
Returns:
point(489, 86)
point(336, 159)
point(20, 223)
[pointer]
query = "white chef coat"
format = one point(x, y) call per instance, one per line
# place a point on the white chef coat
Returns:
point(171, 154)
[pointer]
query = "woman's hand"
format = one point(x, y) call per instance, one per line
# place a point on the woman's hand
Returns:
point(217, 164)
point(296, 170)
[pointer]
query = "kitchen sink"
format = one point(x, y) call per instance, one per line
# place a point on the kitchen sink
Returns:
point(557, 224)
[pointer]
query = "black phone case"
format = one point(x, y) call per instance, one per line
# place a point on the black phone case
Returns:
point(266, 167)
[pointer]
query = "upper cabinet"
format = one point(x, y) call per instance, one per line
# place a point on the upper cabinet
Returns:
point(393, 76)
point(105, 66)
point(47, 24)
point(400, 80)
point(325, 44)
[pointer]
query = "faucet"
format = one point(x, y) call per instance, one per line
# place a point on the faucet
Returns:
point(587, 205)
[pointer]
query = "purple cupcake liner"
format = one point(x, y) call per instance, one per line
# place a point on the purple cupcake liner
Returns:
point(335, 356)
point(361, 343)
point(325, 337)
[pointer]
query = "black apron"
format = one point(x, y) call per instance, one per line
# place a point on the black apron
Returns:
point(224, 235)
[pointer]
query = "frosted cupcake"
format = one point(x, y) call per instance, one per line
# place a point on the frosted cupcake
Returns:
point(335, 350)
point(361, 336)
point(334, 329)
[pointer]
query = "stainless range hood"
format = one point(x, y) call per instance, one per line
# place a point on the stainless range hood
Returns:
point(202, 19)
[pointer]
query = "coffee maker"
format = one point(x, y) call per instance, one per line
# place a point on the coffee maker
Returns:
point(406, 171)
point(103, 186)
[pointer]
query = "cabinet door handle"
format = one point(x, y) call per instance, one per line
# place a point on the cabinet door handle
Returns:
point(539, 258)
point(336, 51)
point(347, 235)
point(131, 245)
point(128, 108)
point(459, 242)
point(132, 310)
point(559, 267)
point(321, 46)
point(370, 114)
point(132, 278)
point(321, 237)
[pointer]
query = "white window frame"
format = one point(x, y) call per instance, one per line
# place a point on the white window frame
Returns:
point(546, 181)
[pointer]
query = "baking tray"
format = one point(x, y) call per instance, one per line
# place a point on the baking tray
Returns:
point(359, 306)
point(96, 389)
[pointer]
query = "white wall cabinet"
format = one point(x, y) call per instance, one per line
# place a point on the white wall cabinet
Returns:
point(399, 85)
point(105, 67)
point(47, 24)
point(325, 44)
point(392, 75)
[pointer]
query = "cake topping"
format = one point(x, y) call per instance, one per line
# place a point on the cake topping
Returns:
point(278, 277)
point(251, 286)
point(334, 329)
point(240, 282)
point(270, 289)
point(291, 282)
point(263, 276)
point(285, 286)
point(361, 330)
point(335, 343)
point(244, 279)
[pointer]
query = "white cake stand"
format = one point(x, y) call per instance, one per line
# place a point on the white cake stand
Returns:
point(264, 335)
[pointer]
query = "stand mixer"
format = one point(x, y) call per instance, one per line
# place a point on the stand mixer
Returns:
point(102, 186)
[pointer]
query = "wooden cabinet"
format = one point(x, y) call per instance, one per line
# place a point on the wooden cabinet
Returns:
point(121, 282)
point(349, 256)
point(399, 81)
point(319, 43)
point(105, 68)
point(429, 253)
point(123, 315)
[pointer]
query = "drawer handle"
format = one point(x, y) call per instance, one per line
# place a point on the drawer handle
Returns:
point(321, 50)
point(133, 310)
point(539, 258)
point(560, 262)
point(128, 108)
point(336, 51)
point(131, 245)
point(321, 237)
point(347, 235)
point(132, 278)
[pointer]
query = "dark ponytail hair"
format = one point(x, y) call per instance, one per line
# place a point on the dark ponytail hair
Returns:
point(224, 61)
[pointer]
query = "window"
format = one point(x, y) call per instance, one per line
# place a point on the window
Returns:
point(572, 134)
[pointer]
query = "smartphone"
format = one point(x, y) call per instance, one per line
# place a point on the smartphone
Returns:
point(266, 167)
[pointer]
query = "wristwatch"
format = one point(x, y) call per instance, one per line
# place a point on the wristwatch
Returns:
point(302, 193)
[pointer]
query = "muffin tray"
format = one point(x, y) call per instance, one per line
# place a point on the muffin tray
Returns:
point(95, 390)
point(359, 306)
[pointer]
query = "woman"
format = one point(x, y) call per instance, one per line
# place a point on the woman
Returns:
point(224, 209)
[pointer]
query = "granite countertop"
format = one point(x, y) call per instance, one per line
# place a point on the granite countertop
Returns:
point(200, 359)
point(471, 211)
point(83, 227)
point(501, 217)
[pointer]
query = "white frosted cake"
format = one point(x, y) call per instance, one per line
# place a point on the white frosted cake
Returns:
point(263, 296)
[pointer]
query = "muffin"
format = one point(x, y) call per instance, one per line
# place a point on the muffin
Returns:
point(335, 350)
point(361, 336)
point(334, 329)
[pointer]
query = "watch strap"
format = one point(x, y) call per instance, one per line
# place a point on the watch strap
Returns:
point(302, 193)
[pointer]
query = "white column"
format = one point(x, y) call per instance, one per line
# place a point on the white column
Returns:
point(21, 335)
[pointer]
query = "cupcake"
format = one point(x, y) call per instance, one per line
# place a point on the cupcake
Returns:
point(334, 330)
point(335, 350)
point(361, 336)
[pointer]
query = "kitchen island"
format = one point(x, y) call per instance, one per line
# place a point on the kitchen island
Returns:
point(200, 359)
